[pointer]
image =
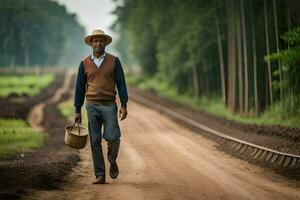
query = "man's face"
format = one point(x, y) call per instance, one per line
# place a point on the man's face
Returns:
point(98, 44)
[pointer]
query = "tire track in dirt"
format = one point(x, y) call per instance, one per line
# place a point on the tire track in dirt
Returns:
point(36, 114)
point(161, 160)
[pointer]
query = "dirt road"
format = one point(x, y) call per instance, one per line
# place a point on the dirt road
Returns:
point(161, 160)
point(36, 115)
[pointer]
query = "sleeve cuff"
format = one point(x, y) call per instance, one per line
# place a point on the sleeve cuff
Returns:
point(123, 105)
point(77, 109)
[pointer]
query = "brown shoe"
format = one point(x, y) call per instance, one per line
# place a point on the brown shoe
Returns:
point(114, 171)
point(99, 180)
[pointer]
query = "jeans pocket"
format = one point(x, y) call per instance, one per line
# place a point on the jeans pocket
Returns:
point(87, 106)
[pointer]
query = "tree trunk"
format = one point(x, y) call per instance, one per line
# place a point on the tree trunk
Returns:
point(240, 70)
point(201, 79)
point(221, 60)
point(289, 20)
point(277, 48)
point(12, 61)
point(195, 81)
point(268, 53)
point(205, 76)
point(229, 54)
point(26, 56)
point(245, 58)
point(257, 110)
point(231, 57)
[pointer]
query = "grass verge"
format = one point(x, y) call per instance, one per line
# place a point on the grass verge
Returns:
point(17, 137)
point(66, 108)
point(213, 104)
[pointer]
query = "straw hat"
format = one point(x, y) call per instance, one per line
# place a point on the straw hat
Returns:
point(97, 32)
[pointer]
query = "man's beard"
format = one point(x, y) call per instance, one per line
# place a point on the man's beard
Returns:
point(99, 50)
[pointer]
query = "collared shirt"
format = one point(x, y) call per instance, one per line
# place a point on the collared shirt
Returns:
point(82, 80)
point(98, 61)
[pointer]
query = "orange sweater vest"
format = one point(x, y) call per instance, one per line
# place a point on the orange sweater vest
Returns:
point(100, 81)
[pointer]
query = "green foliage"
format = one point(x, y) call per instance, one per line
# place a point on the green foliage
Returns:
point(38, 33)
point(29, 85)
point(214, 105)
point(17, 137)
point(292, 37)
point(176, 44)
point(67, 110)
point(290, 59)
point(139, 32)
point(168, 37)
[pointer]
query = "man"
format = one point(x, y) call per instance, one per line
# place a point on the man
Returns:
point(96, 79)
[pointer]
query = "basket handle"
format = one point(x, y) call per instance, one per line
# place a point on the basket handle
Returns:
point(77, 126)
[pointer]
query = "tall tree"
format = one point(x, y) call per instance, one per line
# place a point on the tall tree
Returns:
point(221, 59)
point(239, 53)
point(256, 106)
point(268, 52)
point(38, 33)
point(177, 43)
point(245, 56)
point(277, 49)
point(231, 55)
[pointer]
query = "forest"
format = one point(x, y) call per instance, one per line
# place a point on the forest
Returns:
point(244, 52)
point(38, 33)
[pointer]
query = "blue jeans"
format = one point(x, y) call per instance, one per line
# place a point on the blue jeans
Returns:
point(105, 115)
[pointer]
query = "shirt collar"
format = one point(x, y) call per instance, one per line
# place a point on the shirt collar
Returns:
point(93, 57)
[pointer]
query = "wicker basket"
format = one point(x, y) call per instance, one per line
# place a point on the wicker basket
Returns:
point(76, 136)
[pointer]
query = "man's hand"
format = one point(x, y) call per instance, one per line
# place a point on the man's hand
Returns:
point(122, 113)
point(77, 117)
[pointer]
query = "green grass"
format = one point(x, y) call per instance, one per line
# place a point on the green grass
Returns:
point(29, 85)
point(67, 110)
point(17, 137)
point(212, 105)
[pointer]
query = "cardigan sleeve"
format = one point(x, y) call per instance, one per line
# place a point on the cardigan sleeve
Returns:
point(121, 83)
point(80, 88)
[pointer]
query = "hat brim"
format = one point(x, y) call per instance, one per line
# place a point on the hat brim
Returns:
point(88, 39)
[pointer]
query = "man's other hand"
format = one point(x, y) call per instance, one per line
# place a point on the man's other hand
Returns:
point(122, 113)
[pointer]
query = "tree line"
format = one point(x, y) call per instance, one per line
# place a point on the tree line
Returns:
point(38, 32)
point(245, 51)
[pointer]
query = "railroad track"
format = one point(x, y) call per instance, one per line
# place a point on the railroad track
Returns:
point(242, 147)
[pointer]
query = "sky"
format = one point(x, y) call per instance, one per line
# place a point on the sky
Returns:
point(93, 14)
